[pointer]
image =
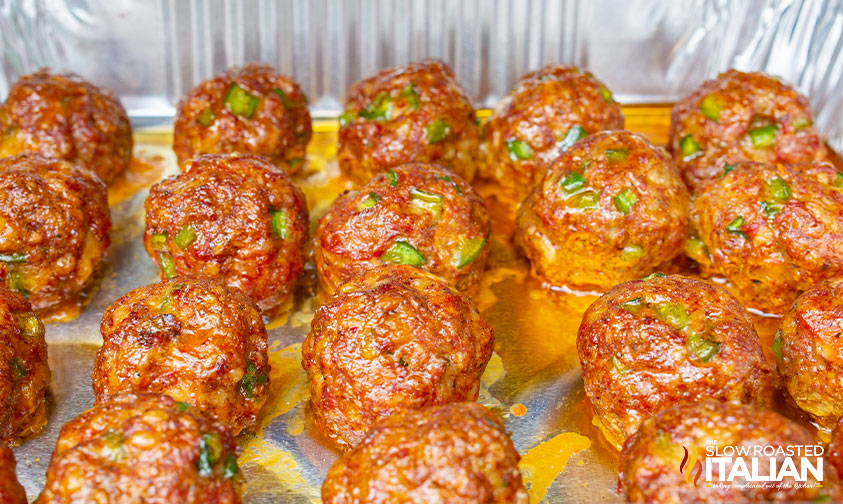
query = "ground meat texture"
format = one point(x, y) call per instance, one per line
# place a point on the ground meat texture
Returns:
point(741, 117)
point(545, 113)
point(649, 344)
point(394, 338)
point(455, 453)
point(611, 208)
point(236, 218)
point(24, 372)
point(413, 113)
point(651, 459)
point(770, 231)
point(416, 214)
point(248, 110)
point(54, 223)
point(61, 115)
point(11, 492)
point(142, 448)
point(192, 339)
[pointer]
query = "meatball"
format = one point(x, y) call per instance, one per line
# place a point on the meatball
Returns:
point(61, 115)
point(416, 214)
point(24, 372)
point(11, 492)
point(770, 231)
point(651, 464)
point(611, 208)
point(55, 223)
point(190, 338)
point(413, 113)
point(741, 117)
point(236, 218)
point(648, 344)
point(834, 453)
point(454, 453)
point(545, 113)
point(142, 448)
point(394, 338)
point(248, 110)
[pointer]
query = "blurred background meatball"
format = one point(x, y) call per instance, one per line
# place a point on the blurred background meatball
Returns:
point(545, 113)
point(611, 208)
point(456, 453)
point(394, 338)
point(63, 116)
point(741, 117)
point(24, 372)
point(809, 352)
point(834, 450)
point(236, 218)
point(416, 214)
point(770, 231)
point(248, 110)
point(651, 458)
point(190, 338)
point(648, 344)
point(54, 223)
point(416, 112)
point(142, 448)
point(11, 492)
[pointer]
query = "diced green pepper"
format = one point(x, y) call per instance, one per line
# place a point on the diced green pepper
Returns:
point(13, 258)
point(702, 349)
point(619, 366)
point(280, 224)
point(632, 252)
point(624, 200)
point(18, 370)
point(735, 226)
point(690, 148)
point(293, 162)
point(437, 131)
point(240, 102)
point(574, 134)
point(468, 251)
point(182, 406)
point(776, 347)
point(346, 118)
point(801, 123)
point(674, 314)
point(166, 304)
point(657, 274)
point(763, 137)
point(231, 468)
point(252, 378)
point(370, 201)
point(409, 93)
point(393, 178)
point(426, 201)
point(587, 200)
point(378, 109)
point(617, 154)
point(167, 264)
point(206, 118)
point(573, 182)
point(838, 180)
point(728, 167)
point(519, 149)
point(284, 98)
point(633, 306)
point(769, 209)
point(711, 106)
point(457, 187)
point(114, 444)
point(159, 241)
point(402, 252)
point(185, 237)
point(30, 326)
point(779, 189)
point(15, 282)
point(606, 94)
point(696, 248)
point(210, 451)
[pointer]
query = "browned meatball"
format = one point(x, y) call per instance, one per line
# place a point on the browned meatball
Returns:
point(770, 231)
point(545, 113)
point(413, 113)
point(741, 117)
point(142, 448)
point(64, 116)
point(11, 492)
point(611, 208)
point(54, 223)
point(248, 110)
point(236, 218)
point(809, 352)
point(394, 338)
point(834, 450)
point(651, 459)
point(416, 214)
point(648, 344)
point(24, 372)
point(190, 338)
point(454, 453)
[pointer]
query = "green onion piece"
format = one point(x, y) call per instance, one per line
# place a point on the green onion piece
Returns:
point(426, 201)
point(838, 180)
point(159, 241)
point(206, 118)
point(779, 189)
point(696, 247)
point(18, 370)
point(15, 282)
point(776, 347)
point(633, 306)
point(619, 366)
point(728, 167)
point(379, 109)
point(231, 468)
point(587, 200)
point(703, 349)
point(585, 164)
point(14, 258)
point(280, 224)
point(519, 149)
point(624, 200)
point(446, 178)
point(617, 154)
point(293, 162)
point(573, 182)
point(182, 406)
point(674, 314)
point(575, 133)
point(240, 102)
point(345, 118)
point(606, 94)
point(734, 227)
point(30, 326)
point(370, 201)
point(185, 237)
point(801, 123)
point(284, 98)
point(409, 93)
point(210, 450)
point(166, 304)
point(468, 251)
point(437, 131)
point(657, 274)
point(167, 264)
point(763, 137)
point(711, 107)
point(632, 252)
point(402, 252)
point(690, 148)
point(769, 209)
point(393, 178)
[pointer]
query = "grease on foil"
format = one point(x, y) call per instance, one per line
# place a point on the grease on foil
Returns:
point(544, 462)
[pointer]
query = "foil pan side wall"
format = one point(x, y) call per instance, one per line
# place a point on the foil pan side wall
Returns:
point(152, 52)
